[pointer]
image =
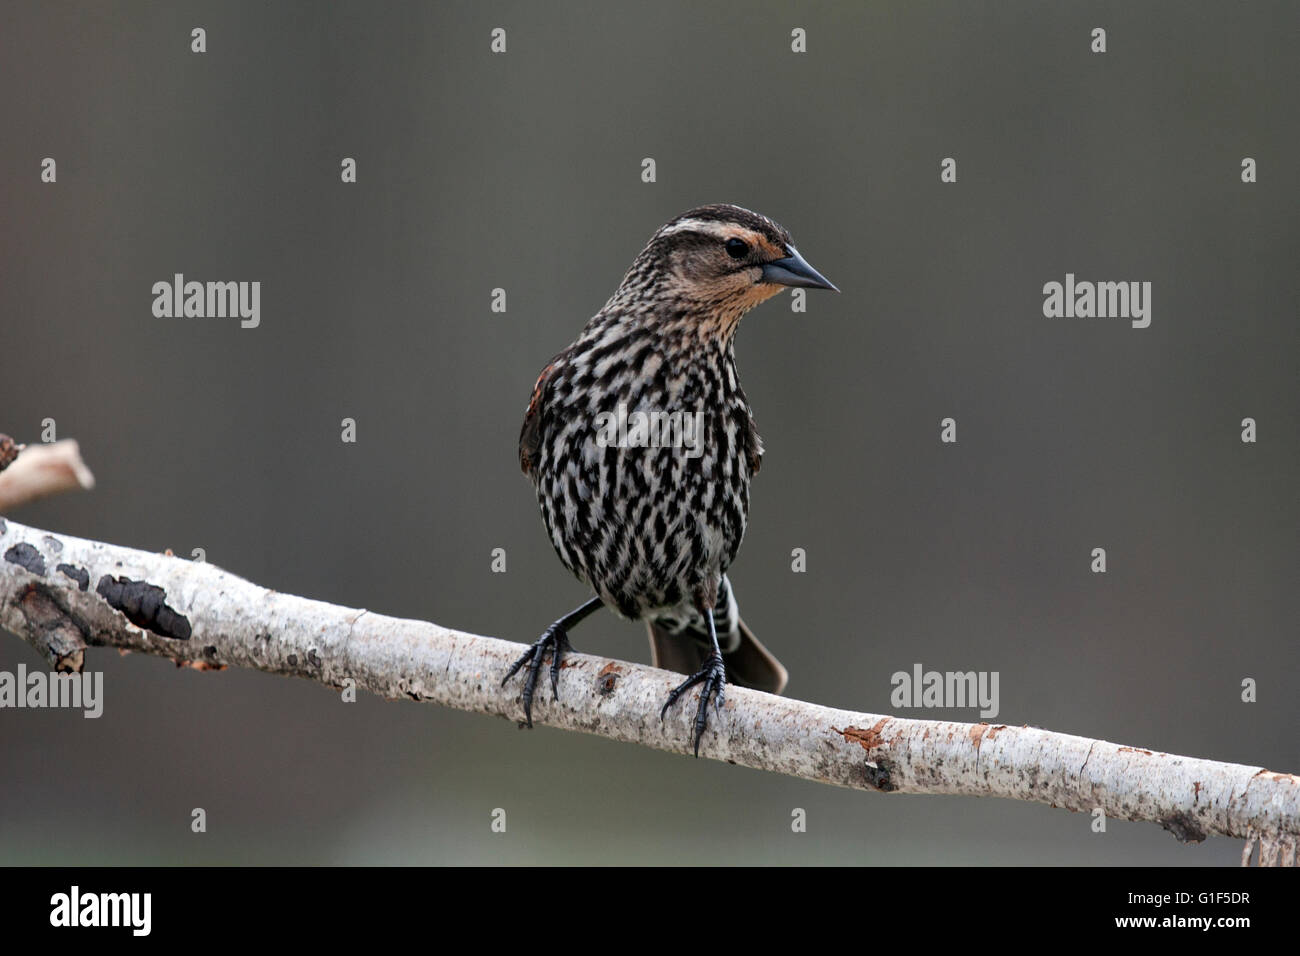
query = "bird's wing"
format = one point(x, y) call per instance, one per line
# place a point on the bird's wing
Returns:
point(530, 436)
point(753, 446)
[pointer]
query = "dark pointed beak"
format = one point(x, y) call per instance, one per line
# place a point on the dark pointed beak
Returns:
point(794, 270)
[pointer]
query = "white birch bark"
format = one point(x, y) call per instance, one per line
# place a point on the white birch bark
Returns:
point(62, 594)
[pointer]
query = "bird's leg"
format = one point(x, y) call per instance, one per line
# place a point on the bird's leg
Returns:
point(555, 639)
point(713, 676)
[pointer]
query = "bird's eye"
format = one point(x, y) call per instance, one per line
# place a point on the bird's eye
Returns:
point(737, 248)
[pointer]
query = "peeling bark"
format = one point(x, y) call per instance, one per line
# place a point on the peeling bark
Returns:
point(29, 472)
point(230, 622)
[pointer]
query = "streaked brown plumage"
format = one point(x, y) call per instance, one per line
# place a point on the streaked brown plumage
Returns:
point(653, 529)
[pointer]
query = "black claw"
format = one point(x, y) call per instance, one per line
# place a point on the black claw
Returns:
point(714, 677)
point(557, 653)
point(553, 639)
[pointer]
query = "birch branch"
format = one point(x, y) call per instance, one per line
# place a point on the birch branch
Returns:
point(62, 594)
point(31, 472)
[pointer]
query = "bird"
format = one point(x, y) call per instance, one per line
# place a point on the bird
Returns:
point(640, 445)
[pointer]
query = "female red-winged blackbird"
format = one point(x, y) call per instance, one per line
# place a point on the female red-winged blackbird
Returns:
point(641, 445)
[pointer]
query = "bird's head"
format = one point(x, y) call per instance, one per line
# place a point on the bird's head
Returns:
point(718, 262)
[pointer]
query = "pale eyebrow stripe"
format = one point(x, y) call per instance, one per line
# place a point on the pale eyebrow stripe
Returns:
point(709, 226)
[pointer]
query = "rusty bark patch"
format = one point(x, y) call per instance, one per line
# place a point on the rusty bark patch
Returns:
point(198, 665)
point(8, 451)
point(869, 738)
point(607, 679)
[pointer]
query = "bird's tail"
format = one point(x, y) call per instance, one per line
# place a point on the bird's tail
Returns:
point(684, 649)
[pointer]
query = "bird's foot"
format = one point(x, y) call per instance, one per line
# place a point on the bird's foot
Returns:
point(713, 676)
point(554, 639)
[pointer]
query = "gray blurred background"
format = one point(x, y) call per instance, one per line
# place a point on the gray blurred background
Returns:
point(522, 171)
